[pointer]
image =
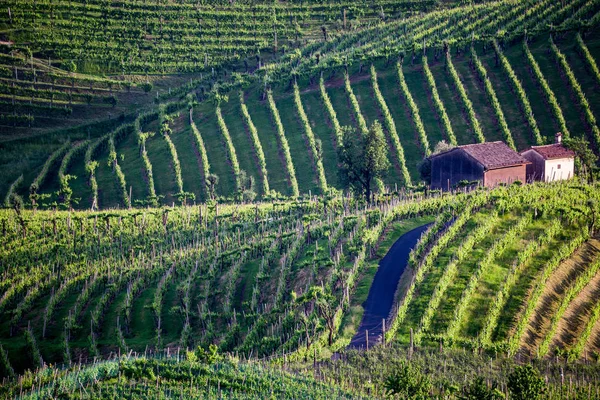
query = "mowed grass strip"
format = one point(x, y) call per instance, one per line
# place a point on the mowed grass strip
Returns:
point(182, 138)
point(390, 89)
point(299, 149)
point(165, 182)
point(324, 131)
point(261, 117)
point(232, 115)
point(476, 93)
point(206, 121)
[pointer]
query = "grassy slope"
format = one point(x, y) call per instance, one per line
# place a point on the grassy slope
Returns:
point(419, 88)
point(162, 169)
point(323, 130)
point(476, 92)
point(183, 140)
point(133, 167)
point(363, 90)
point(206, 121)
point(261, 117)
point(390, 89)
point(301, 156)
point(299, 149)
point(242, 141)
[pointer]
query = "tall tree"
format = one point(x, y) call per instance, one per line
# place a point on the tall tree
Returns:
point(586, 161)
point(363, 158)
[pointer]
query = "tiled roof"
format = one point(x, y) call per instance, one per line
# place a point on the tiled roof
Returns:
point(493, 155)
point(553, 151)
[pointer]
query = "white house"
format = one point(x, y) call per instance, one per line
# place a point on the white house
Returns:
point(553, 162)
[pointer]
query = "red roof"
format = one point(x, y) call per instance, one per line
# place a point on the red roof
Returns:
point(494, 155)
point(553, 151)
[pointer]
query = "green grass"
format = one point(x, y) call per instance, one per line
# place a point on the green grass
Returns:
point(509, 101)
point(476, 92)
point(245, 284)
point(445, 312)
point(206, 121)
point(491, 281)
point(424, 290)
point(559, 85)
point(182, 138)
point(542, 113)
point(242, 142)
point(363, 90)
point(299, 149)
point(419, 89)
point(143, 327)
point(519, 292)
point(132, 166)
point(323, 130)
point(171, 318)
point(449, 96)
point(108, 193)
point(261, 117)
point(390, 89)
point(162, 168)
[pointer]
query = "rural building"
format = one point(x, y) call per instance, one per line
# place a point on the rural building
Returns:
point(553, 162)
point(490, 164)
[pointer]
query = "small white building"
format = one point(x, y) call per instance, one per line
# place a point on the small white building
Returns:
point(553, 162)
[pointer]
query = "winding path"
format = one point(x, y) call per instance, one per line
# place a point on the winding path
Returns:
point(381, 294)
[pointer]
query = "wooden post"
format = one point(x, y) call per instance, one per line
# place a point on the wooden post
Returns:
point(367, 336)
point(412, 344)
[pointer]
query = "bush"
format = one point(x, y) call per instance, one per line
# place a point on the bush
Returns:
point(525, 383)
point(146, 86)
point(408, 382)
point(208, 356)
point(479, 390)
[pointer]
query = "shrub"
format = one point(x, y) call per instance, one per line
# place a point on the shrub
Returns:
point(525, 383)
point(408, 382)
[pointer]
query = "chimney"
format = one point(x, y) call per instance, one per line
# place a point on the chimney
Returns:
point(558, 138)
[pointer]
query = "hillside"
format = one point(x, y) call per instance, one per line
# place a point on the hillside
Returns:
point(87, 284)
point(500, 90)
point(175, 222)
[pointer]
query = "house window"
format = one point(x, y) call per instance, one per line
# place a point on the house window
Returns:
point(558, 167)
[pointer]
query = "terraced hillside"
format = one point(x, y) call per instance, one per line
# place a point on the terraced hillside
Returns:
point(84, 284)
point(55, 56)
point(487, 86)
point(518, 277)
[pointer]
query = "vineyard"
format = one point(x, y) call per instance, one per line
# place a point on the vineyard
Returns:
point(275, 132)
point(179, 216)
point(499, 271)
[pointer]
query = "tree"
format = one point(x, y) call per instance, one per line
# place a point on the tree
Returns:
point(323, 302)
point(363, 158)
point(212, 181)
point(525, 383)
point(408, 382)
point(246, 192)
point(586, 161)
point(304, 307)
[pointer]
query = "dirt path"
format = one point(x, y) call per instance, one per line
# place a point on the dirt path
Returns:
point(562, 278)
point(578, 313)
point(381, 294)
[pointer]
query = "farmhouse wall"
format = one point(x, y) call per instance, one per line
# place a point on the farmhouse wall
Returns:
point(452, 167)
point(506, 175)
point(559, 169)
point(535, 170)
